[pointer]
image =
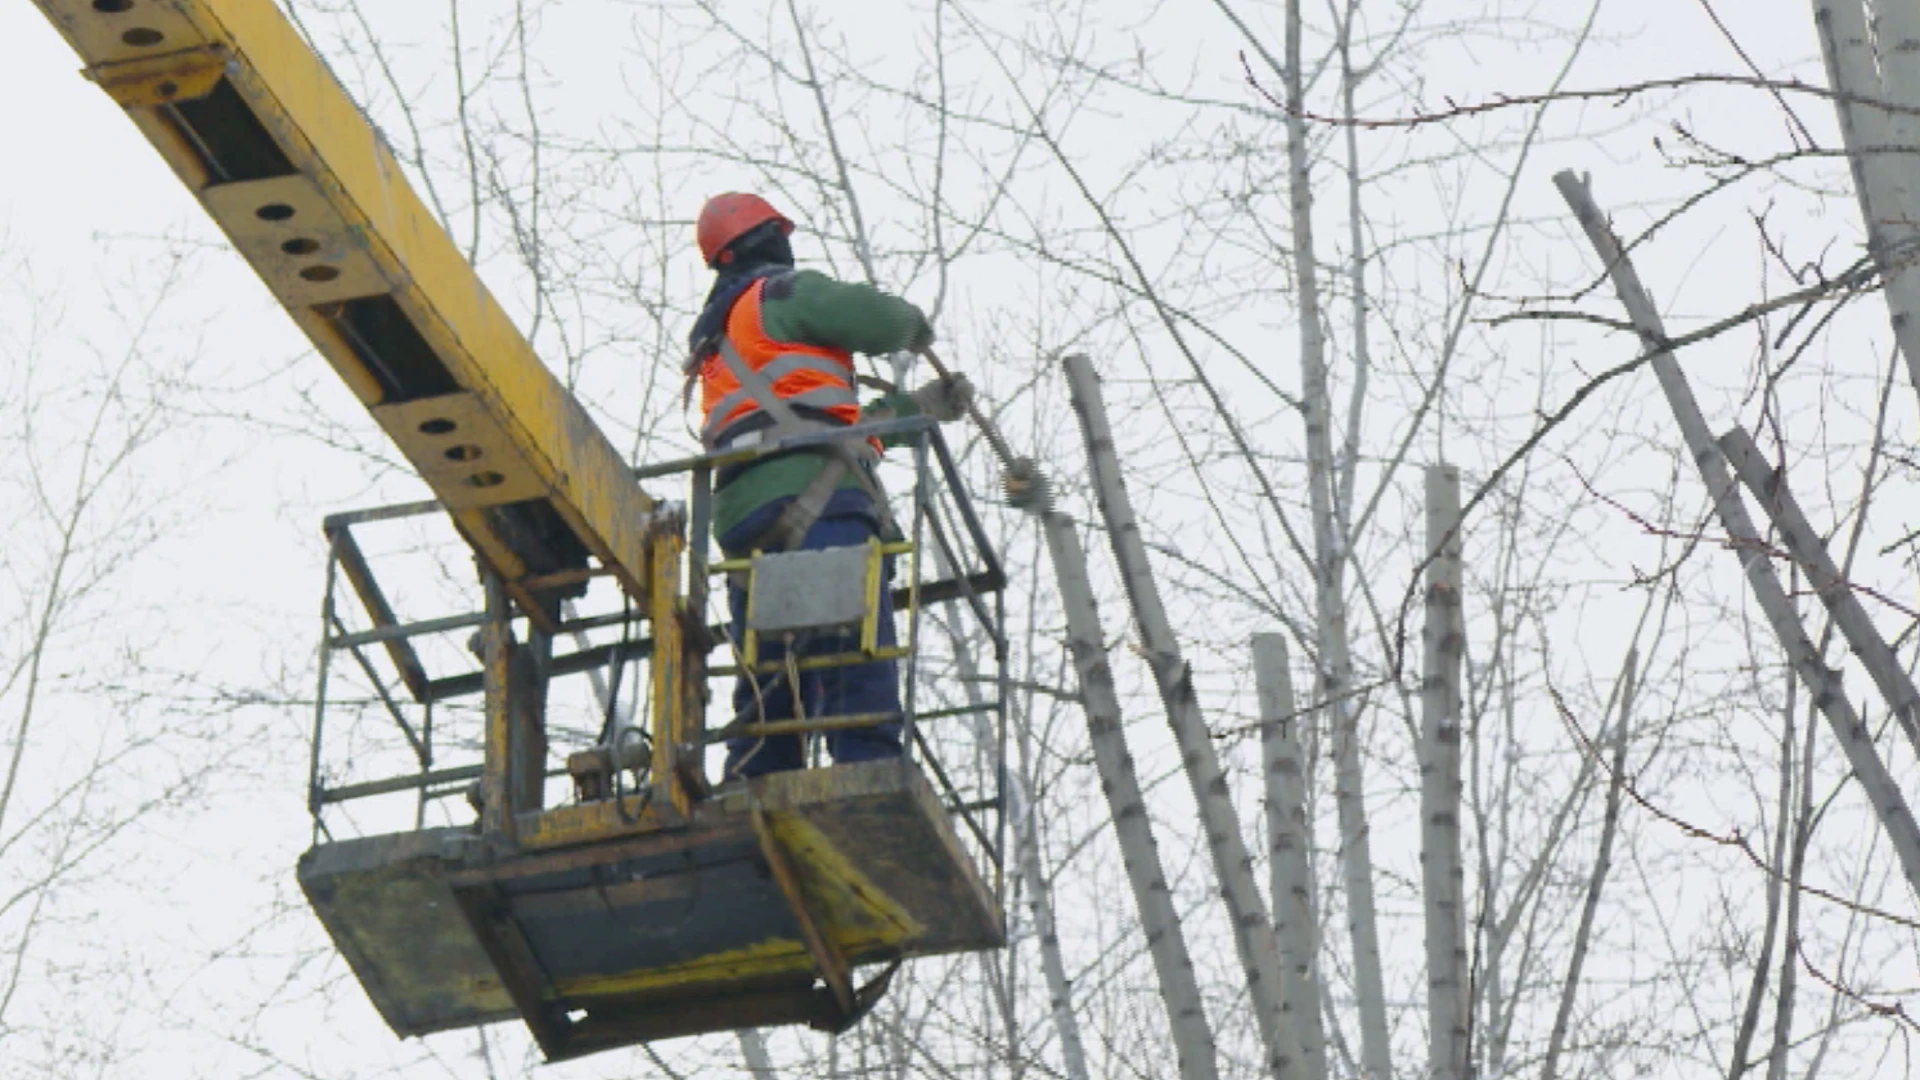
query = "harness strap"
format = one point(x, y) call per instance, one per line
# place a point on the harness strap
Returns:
point(819, 397)
point(849, 454)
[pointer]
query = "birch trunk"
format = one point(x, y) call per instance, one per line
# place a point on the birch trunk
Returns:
point(1738, 1062)
point(1597, 880)
point(1040, 908)
point(1442, 879)
point(1290, 840)
point(1829, 584)
point(1880, 144)
point(1187, 1020)
point(1896, 34)
point(1252, 934)
point(1787, 995)
point(1336, 675)
point(753, 1049)
point(1823, 683)
point(1026, 839)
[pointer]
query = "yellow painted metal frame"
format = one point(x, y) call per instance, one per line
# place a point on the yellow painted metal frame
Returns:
point(310, 195)
point(669, 701)
point(670, 734)
point(586, 823)
point(366, 233)
point(869, 649)
point(865, 916)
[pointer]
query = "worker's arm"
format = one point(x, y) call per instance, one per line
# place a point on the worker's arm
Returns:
point(813, 309)
point(896, 405)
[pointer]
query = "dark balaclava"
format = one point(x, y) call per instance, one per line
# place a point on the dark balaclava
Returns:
point(761, 251)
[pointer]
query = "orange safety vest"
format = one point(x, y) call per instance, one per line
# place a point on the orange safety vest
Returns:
point(816, 382)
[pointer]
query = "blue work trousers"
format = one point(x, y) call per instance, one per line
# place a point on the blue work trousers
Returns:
point(872, 687)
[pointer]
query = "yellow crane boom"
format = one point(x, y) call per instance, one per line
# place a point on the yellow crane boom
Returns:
point(308, 191)
point(635, 913)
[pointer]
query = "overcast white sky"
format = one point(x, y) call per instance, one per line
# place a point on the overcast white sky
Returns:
point(195, 923)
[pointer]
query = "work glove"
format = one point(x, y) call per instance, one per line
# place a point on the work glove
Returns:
point(945, 400)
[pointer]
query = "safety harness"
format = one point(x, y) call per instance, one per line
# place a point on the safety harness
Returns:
point(848, 454)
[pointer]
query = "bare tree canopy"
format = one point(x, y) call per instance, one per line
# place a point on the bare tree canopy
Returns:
point(1463, 618)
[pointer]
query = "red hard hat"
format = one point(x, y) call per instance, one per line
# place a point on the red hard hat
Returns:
point(728, 217)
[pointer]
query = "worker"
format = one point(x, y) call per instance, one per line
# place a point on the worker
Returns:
point(771, 331)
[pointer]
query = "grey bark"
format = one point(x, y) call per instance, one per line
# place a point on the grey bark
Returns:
point(1040, 908)
point(1597, 880)
point(1290, 839)
point(1179, 991)
point(1822, 682)
point(1737, 1060)
point(1252, 935)
point(1776, 500)
point(1787, 995)
point(753, 1049)
point(1336, 665)
point(1026, 839)
point(1442, 877)
point(1880, 144)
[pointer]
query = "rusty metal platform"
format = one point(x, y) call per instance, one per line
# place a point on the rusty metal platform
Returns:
point(723, 922)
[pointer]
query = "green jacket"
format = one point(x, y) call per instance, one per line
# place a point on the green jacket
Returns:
point(810, 308)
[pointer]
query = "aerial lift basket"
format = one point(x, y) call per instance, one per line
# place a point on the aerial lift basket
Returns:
point(631, 913)
point(663, 907)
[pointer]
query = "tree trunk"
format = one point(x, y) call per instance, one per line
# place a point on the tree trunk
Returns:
point(1336, 666)
point(1026, 841)
point(1186, 1018)
point(1290, 840)
point(1829, 584)
point(1597, 880)
point(1879, 143)
point(1738, 1061)
point(1823, 683)
point(1040, 908)
point(1442, 879)
point(1786, 997)
point(753, 1049)
point(1252, 934)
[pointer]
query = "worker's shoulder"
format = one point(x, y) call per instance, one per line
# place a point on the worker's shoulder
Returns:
point(814, 309)
point(801, 284)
